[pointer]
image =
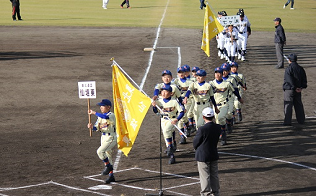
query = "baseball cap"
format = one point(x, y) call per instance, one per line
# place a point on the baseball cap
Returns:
point(219, 70)
point(234, 64)
point(186, 68)
point(201, 72)
point(208, 112)
point(277, 19)
point(224, 13)
point(292, 57)
point(195, 69)
point(225, 67)
point(180, 69)
point(166, 87)
point(166, 72)
point(105, 102)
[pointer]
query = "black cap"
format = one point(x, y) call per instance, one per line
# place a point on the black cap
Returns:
point(292, 57)
point(277, 19)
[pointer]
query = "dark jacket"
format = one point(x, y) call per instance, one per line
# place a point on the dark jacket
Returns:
point(294, 77)
point(279, 35)
point(205, 142)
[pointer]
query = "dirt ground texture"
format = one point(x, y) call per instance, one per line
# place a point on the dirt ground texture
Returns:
point(43, 134)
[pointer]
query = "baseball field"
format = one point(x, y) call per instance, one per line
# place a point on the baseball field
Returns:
point(44, 141)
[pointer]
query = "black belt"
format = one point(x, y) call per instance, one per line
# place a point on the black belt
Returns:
point(199, 103)
point(104, 133)
point(220, 104)
point(242, 32)
point(166, 118)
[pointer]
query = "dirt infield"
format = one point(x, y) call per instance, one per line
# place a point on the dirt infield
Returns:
point(46, 148)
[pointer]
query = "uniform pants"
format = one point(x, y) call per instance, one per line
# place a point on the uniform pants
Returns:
point(279, 54)
point(105, 3)
point(242, 41)
point(221, 116)
point(231, 48)
point(237, 104)
point(230, 107)
point(191, 102)
point(292, 98)
point(107, 144)
point(292, 3)
point(167, 129)
point(16, 12)
point(202, 4)
point(198, 113)
point(208, 172)
point(127, 3)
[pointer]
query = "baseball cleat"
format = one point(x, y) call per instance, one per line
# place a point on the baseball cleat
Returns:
point(283, 6)
point(107, 170)
point(172, 160)
point(229, 128)
point(183, 140)
point(110, 179)
point(223, 142)
point(243, 58)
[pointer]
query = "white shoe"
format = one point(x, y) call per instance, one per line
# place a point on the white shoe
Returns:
point(222, 56)
point(227, 59)
point(239, 56)
point(219, 53)
point(243, 58)
point(292, 8)
point(283, 6)
point(105, 8)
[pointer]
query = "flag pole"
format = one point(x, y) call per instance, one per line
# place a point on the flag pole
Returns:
point(116, 64)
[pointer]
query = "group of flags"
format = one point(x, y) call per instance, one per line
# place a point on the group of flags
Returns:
point(131, 105)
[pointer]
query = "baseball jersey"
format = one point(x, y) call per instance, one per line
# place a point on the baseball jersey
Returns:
point(240, 78)
point(183, 85)
point(243, 25)
point(105, 122)
point(229, 35)
point(175, 91)
point(170, 106)
point(222, 89)
point(202, 92)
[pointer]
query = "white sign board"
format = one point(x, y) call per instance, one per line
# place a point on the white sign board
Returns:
point(230, 20)
point(87, 90)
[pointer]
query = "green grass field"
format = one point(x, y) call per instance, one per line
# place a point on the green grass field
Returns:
point(148, 13)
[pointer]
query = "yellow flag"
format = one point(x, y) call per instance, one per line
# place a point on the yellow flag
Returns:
point(211, 28)
point(130, 108)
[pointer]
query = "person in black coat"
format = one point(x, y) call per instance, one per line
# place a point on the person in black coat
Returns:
point(206, 155)
point(16, 9)
point(280, 41)
point(294, 81)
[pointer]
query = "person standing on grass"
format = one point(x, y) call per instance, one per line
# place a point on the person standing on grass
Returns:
point(16, 9)
point(288, 2)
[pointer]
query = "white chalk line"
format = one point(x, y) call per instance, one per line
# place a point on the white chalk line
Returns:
point(54, 183)
point(150, 189)
point(270, 159)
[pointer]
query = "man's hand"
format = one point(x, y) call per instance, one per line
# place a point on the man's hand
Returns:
point(298, 90)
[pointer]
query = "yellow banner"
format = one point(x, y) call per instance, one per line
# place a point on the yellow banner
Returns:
point(130, 108)
point(211, 28)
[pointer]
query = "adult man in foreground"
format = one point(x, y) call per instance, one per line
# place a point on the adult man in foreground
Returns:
point(206, 155)
point(280, 41)
point(294, 81)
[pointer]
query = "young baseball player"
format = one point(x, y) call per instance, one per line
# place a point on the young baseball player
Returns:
point(222, 91)
point(166, 77)
point(220, 38)
point(202, 94)
point(190, 114)
point(183, 84)
point(231, 98)
point(106, 125)
point(231, 36)
point(174, 111)
point(241, 87)
point(243, 33)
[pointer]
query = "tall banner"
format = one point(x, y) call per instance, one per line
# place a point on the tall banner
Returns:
point(130, 108)
point(211, 28)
